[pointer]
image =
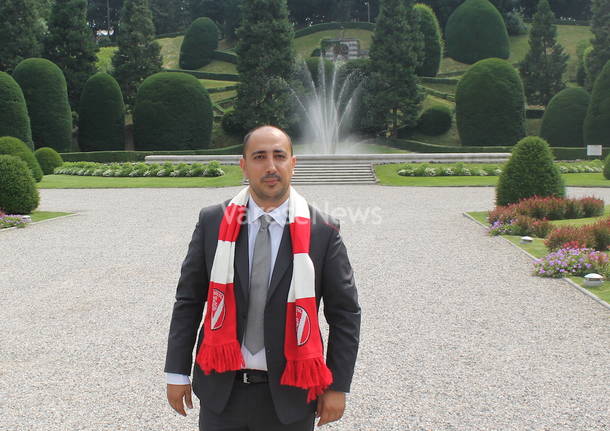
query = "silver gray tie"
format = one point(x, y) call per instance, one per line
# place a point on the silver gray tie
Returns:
point(259, 283)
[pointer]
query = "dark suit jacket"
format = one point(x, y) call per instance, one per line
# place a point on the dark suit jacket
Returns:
point(334, 284)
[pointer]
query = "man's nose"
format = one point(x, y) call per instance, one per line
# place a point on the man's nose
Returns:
point(271, 168)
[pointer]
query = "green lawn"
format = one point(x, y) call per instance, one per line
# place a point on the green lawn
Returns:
point(388, 177)
point(306, 44)
point(210, 83)
point(232, 177)
point(45, 215)
point(538, 249)
point(444, 88)
point(223, 95)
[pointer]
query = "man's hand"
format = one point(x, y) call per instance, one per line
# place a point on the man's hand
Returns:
point(176, 394)
point(331, 405)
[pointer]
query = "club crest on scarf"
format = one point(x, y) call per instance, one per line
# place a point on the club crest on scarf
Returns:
point(218, 309)
point(303, 325)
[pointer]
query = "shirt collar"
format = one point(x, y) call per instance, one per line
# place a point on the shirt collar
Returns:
point(279, 214)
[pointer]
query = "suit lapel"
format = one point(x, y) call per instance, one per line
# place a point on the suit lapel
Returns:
point(242, 264)
point(282, 261)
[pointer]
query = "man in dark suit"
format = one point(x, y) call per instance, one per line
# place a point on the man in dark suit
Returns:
point(253, 398)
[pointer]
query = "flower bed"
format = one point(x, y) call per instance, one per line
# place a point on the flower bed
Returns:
point(12, 220)
point(461, 169)
point(572, 261)
point(167, 169)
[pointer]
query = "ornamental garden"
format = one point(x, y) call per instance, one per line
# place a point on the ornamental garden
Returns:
point(191, 78)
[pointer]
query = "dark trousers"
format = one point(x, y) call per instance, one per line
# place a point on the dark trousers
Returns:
point(250, 408)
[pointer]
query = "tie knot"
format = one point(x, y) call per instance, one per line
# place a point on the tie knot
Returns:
point(265, 220)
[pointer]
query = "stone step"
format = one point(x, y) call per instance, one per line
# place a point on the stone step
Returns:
point(333, 173)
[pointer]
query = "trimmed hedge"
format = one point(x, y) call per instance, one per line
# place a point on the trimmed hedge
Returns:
point(475, 31)
point(173, 111)
point(18, 192)
point(229, 57)
point(139, 156)
point(435, 80)
point(16, 147)
point(490, 104)
point(333, 26)
point(46, 95)
point(199, 44)
point(101, 115)
point(48, 159)
point(14, 119)
point(423, 147)
point(433, 41)
point(563, 120)
point(596, 127)
point(208, 75)
point(435, 120)
point(222, 89)
point(530, 171)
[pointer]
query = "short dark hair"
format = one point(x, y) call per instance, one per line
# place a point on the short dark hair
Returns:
point(249, 134)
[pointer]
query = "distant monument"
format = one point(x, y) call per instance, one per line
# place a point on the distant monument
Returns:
point(342, 49)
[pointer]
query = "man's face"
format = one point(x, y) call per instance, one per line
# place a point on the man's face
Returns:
point(268, 165)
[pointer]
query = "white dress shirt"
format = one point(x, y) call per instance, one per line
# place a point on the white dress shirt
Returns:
point(257, 361)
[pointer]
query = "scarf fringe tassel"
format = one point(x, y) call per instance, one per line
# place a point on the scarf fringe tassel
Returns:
point(220, 357)
point(311, 374)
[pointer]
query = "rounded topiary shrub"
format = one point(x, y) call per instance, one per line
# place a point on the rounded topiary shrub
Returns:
point(564, 117)
point(46, 95)
point(596, 127)
point(173, 111)
point(530, 171)
point(607, 167)
point(18, 192)
point(476, 30)
point(435, 120)
point(101, 115)
point(200, 41)
point(48, 159)
point(14, 119)
point(230, 124)
point(16, 147)
point(490, 105)
point(433, 41)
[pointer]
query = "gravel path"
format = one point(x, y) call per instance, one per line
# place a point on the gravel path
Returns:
point(457, 335)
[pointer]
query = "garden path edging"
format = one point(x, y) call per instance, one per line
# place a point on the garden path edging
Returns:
point(38, 222)
point(567, 280)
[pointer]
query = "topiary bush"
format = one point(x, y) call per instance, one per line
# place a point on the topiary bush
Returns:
point(433, 41)
point(596, 127)
point(48, 159)
point(435, 120)
point(313, 66)
point(607, 167)
point(14, 119)
point(231, 126)
point(490, 105)
point(101, 115)
point(200, 41)
point(18, 192)
point(530, 171)
point(16, 147)
point(173, 111)
point(46, 95)
point(476, 30)
point(564, 117)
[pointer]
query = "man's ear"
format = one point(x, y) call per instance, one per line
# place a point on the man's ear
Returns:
point(242, 165)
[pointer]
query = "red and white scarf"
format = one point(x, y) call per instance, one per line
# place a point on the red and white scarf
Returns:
point(220, 350)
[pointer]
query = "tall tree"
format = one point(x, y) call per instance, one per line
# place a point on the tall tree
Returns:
point(70, 45)
point(394, 98)
point(170, 16)
point(600, 27)
point(20, 32)
point(232, 18)
point(545, 63)
point(139, 55)
point(103, 15)
point(212, 9)
point(266, 64)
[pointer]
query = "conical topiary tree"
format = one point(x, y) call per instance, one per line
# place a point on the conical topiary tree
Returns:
point(563, 118)
point(199, 43)
point(46, 95)
point(530, 171)
point(101, 115)
point(173, 111)
point(433, 41)
point(475, 31)
point(490, 105)
point(18, 192)
point(15, 147)
point(14, 119)
point(597, 122)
